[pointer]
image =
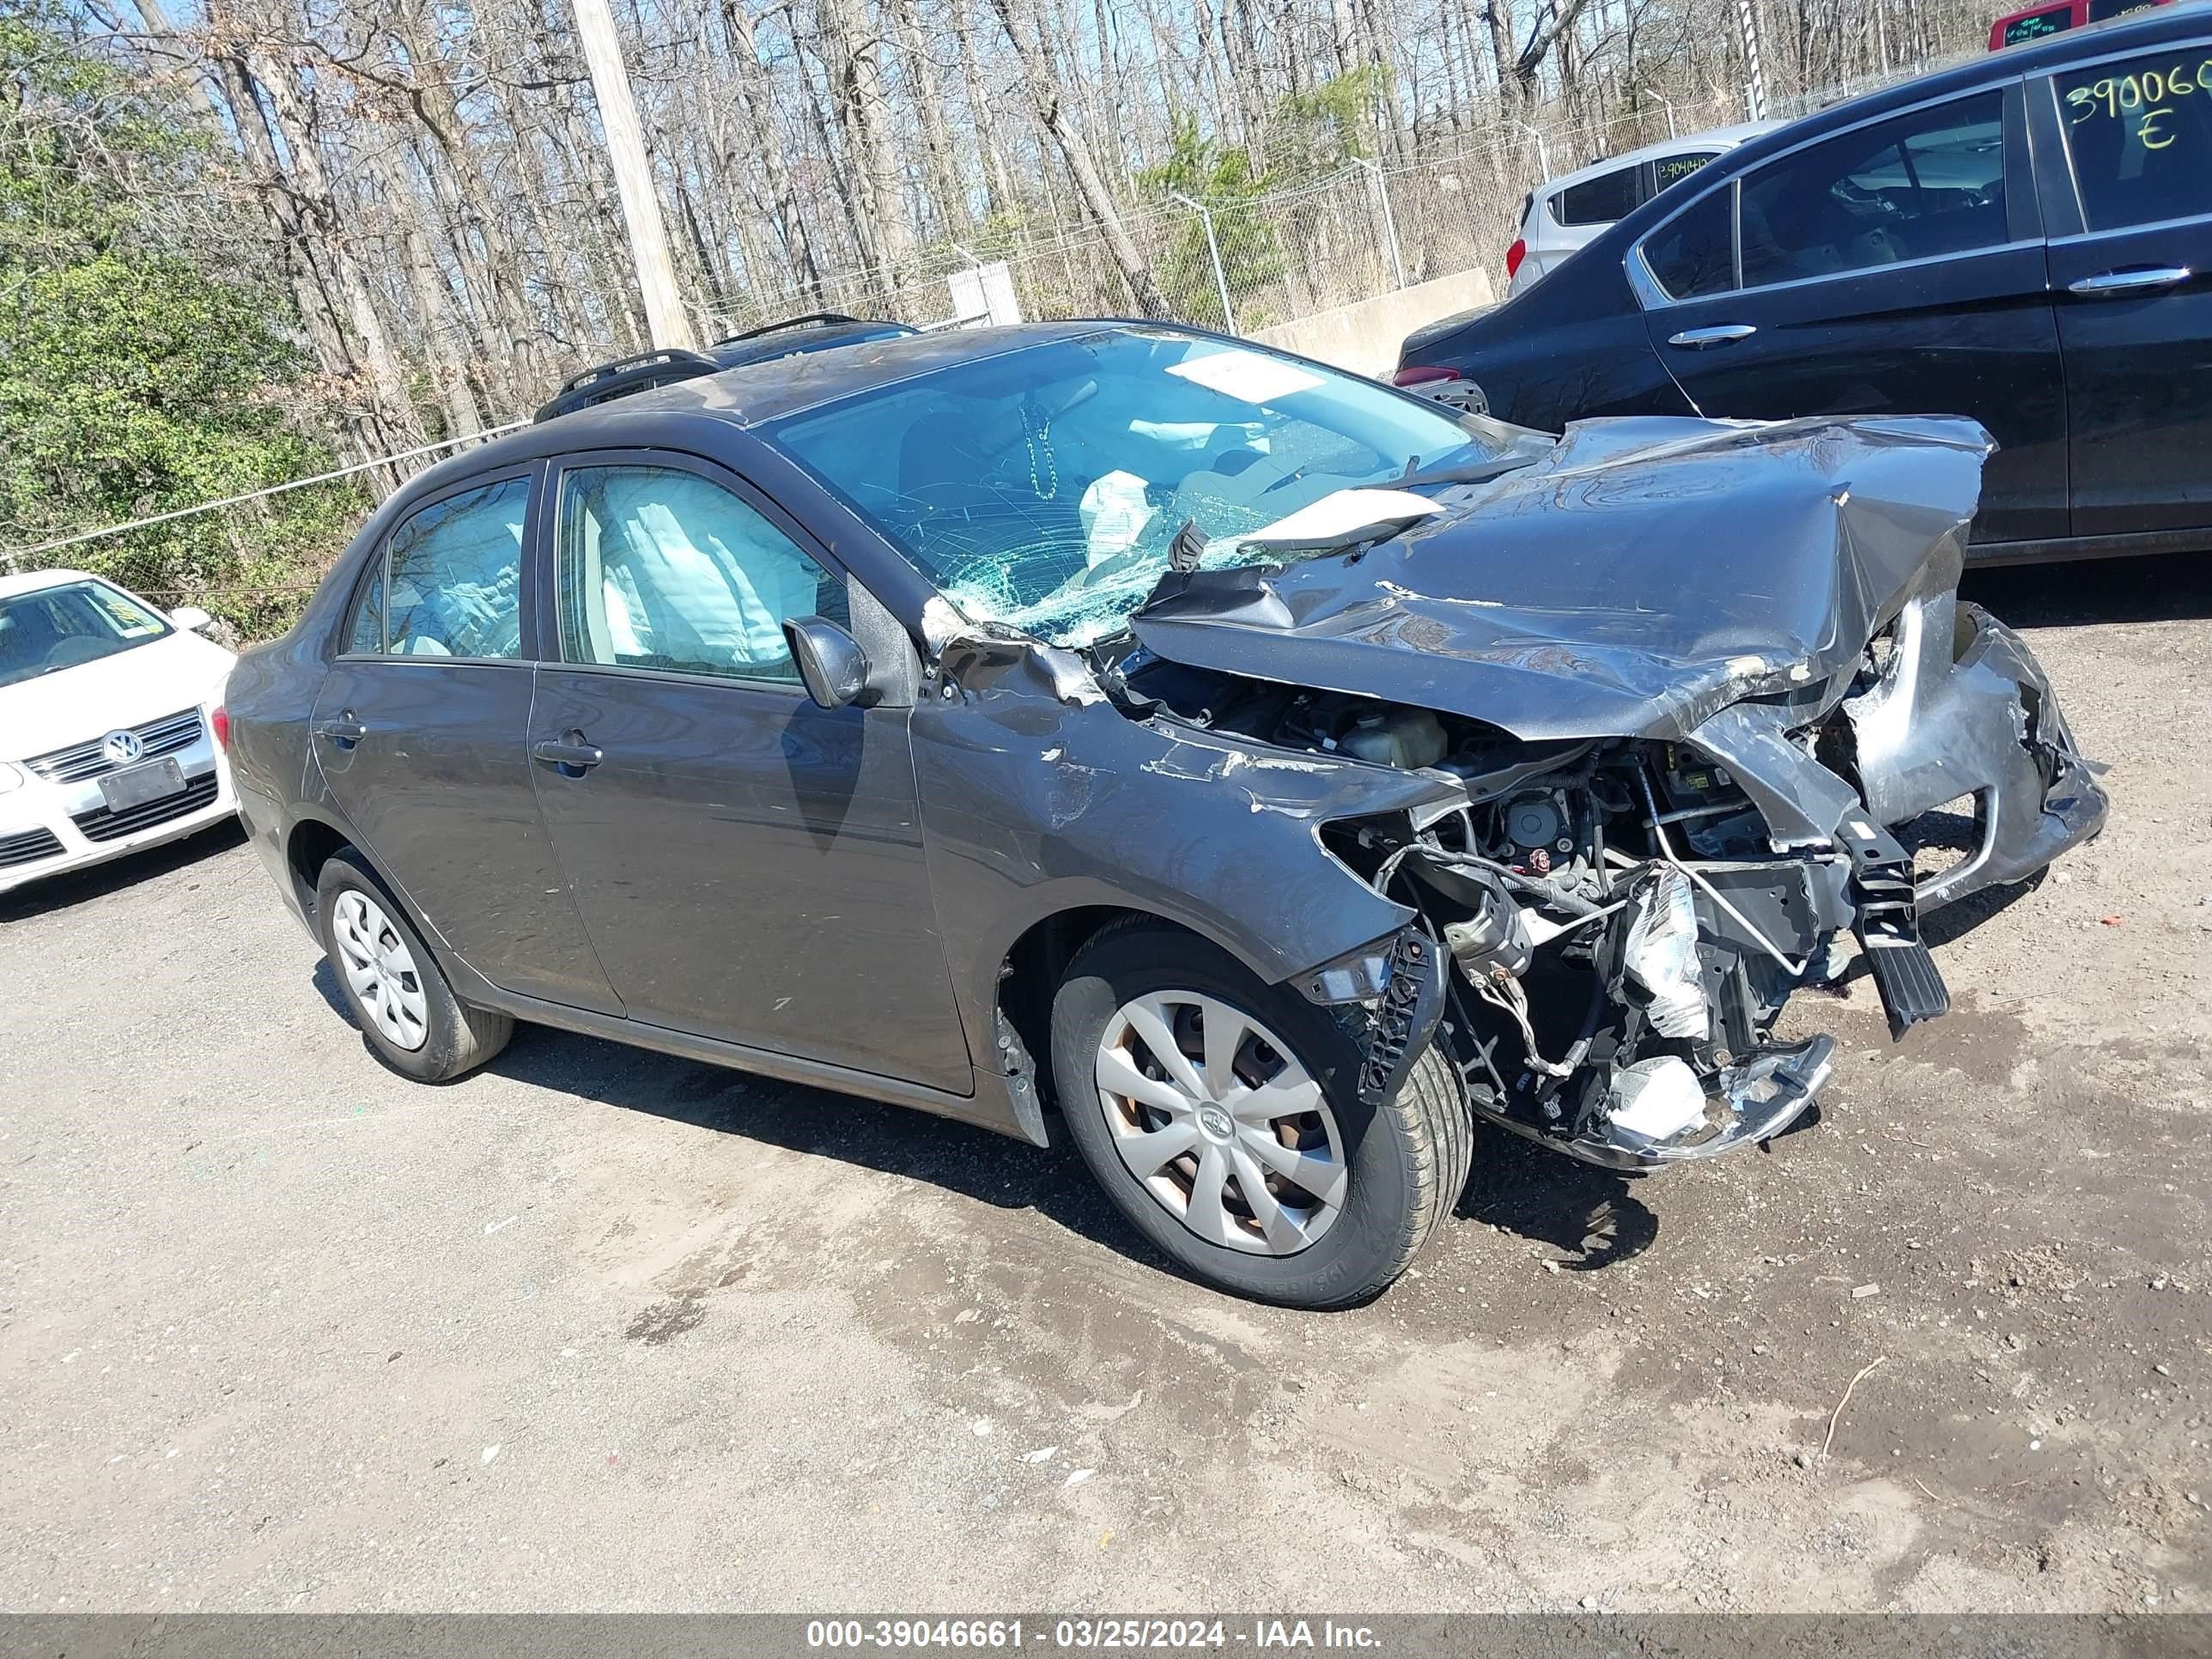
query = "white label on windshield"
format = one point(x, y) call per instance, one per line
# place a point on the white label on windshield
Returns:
point(1246, 375)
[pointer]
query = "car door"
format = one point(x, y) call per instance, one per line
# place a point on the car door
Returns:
point(2129, 196)
point(1896, 268)
point(419, 731)
point(750, 865)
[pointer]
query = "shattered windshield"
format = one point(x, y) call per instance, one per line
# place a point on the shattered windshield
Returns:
point(1043, 488)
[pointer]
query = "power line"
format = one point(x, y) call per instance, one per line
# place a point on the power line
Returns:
point(14, 557)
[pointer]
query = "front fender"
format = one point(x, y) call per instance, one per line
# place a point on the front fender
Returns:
point(1032, 807)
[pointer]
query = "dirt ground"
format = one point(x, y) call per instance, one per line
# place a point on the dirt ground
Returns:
point(596, 1329)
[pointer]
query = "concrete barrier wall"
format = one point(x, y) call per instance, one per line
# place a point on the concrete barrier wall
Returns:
point(1364, 337)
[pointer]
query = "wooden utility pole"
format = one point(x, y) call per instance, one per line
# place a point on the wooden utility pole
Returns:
point(665, 316)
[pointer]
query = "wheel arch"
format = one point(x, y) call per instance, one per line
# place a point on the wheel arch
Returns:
point(1029, 976)
point(309, 845)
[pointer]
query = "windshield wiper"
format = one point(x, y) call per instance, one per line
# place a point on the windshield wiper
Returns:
point(1465, 472)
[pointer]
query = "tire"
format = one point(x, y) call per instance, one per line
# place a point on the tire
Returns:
point(410, 1017)
point(1394, 1172)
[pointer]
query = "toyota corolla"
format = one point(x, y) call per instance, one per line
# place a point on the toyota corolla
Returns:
point(1253, 774)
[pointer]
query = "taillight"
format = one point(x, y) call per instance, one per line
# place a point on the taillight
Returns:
point(1422, 374)
point(220, 720)
point(1515, 255)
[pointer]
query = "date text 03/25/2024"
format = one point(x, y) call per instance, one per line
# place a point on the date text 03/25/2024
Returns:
point(1114, 1635)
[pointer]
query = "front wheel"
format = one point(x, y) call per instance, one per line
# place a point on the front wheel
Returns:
point(391, 984)
point(1223, 1118)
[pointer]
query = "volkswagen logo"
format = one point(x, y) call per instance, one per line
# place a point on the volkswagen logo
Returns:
point(121, 748)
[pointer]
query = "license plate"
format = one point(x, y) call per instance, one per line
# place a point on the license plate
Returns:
point(140, 784)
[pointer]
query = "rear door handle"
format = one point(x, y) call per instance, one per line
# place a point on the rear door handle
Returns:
point(344, 731)
point(2131, 279)
point(1697, 339)
point(576, 756)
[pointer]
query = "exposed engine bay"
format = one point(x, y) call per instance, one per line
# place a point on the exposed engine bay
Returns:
point(1623, 924)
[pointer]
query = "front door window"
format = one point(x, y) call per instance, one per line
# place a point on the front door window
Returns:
point(1929, 183)
point(660, 567)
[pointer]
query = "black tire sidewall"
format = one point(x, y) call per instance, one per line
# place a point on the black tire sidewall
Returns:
point(447, 1049)
point(1359, 1253)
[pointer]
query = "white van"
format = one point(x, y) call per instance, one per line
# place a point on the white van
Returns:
point(1560, 214)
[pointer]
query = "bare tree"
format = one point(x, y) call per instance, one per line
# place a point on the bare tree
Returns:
point(425, 182)
point(1044, 96)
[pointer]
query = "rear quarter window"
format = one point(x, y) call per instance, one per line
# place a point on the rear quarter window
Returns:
point(2037, 24)
point(1694, 253)
point(1673, 169)
point(1598, 201)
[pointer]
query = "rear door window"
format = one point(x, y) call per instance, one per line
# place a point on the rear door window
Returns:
point(1601, 200)
point(449, 582)
point(2139, 134)
point(1925, 183)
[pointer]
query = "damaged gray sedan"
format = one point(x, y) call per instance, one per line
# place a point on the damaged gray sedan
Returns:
point(1253, 774)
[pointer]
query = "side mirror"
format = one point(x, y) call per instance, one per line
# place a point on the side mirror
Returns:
point(830, 660)
point(189, 617)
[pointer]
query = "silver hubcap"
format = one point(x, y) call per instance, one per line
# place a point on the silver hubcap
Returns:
point(380, 969)
point(1220, 1124)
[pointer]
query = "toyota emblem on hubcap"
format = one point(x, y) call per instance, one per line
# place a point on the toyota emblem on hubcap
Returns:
point(1215, 1123)
point(121, 748)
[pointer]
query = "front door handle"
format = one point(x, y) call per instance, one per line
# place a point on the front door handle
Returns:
point(344, 731)
point(572, 755)
point(2129, 279)
point(1697, 339)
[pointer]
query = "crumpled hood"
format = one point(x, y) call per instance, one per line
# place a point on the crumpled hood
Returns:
point(1643, 574)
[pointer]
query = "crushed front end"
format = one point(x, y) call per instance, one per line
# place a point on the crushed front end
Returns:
point(1621, 936)
point(1698, 686)
point(1609, 927)
point(1623, 919)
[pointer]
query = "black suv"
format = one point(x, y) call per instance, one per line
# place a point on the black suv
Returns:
point(2026, 240)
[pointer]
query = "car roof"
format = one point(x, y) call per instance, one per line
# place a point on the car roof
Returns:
point(1982, 71)
point(754, 394)
point(813, 336)
point(1995, 69)
point(1712, 139)
point(30, 581)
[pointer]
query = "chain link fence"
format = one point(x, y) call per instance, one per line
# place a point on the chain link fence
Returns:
point(1250, 262)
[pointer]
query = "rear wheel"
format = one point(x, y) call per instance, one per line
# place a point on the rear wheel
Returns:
point(1221, 1115)
point(390, 982)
